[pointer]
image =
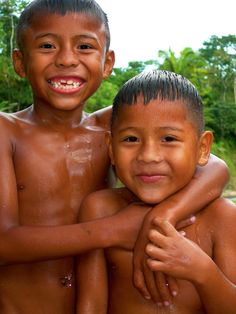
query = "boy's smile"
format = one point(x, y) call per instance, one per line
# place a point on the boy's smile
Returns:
point(64, 58)
point(65, 85)
point(155, 148)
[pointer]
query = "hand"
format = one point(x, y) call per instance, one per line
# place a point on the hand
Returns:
point(154, 286)
point(173, 254)
point(150, 285)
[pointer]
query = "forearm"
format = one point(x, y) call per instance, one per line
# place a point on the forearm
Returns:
point(217, 293)
point(92, 290)
point(206, 185)
point(36, 243)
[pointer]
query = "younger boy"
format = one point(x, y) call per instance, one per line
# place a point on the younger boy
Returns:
point(53, 155)
point(157, 140)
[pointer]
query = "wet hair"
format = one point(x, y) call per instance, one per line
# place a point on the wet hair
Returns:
point(162, 85)
point(62, 7)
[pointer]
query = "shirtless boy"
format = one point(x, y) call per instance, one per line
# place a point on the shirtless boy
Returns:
point(156, 143)
point(53, 155)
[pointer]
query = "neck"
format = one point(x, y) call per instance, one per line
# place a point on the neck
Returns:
point(56, 118)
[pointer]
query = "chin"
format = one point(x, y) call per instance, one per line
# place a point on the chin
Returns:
point(153, 198)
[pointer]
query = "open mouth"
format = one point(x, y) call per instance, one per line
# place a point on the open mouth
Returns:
point(65, 84)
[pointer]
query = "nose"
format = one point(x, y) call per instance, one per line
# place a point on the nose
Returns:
point(67, 57)
point(150, 152)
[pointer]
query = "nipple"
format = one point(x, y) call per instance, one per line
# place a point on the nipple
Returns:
point(20, 187)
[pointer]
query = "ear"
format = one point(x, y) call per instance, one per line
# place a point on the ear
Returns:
point(205, 147)
point(109, 63)
point(108, 138)
point(18, 63)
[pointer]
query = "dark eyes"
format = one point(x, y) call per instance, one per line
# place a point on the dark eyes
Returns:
point(84, 46)
point(131, 139)
point(47, 46)
point(169, 139)
point(50, 46)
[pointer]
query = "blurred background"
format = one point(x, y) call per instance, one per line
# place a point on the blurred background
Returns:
point(193, 38)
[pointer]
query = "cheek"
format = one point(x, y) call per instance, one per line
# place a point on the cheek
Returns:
point(122, 161)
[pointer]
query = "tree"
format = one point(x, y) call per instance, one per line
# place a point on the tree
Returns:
point(15, 93)
point(220, 56)
point(107, 91)
point(189, 64)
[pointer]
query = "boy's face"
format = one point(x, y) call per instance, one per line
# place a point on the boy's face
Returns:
point(64, 58)
point(155, 148)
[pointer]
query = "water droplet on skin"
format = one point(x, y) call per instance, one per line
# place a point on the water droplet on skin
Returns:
point(66, 281)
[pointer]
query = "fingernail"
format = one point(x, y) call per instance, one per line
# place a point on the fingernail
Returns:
point(192, 219)
point(147, 297)
point(166, 303)
point(174, 293)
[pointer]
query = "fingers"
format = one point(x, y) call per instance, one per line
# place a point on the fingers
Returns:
point(163, 288)
point(155, 252)
point(139, 263)
point(186, 222)
point(139, 283)
point(151, 285)
point(166, 227)
point(173, 285)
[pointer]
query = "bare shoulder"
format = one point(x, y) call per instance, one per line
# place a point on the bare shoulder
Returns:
point(222, 208)
point(221, 213)
point(6, 120)
point(99, 118)
point(8, 128)
point(104, 203)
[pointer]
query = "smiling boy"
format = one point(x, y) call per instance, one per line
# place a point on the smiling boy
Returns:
point(157, 140)
point(53, 155)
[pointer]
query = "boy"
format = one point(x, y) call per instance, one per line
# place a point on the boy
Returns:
point(156, 142)
point(53, 155)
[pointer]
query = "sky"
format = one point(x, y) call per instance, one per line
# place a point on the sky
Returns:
point(140, 28)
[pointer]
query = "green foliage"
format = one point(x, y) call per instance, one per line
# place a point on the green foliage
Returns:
point(9, 13)
point(212, 69)
point(107, 91)
point(227, 152)
point(15, 93)
point(102, 98)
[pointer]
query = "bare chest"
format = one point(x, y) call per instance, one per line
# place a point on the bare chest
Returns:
point(59, 170)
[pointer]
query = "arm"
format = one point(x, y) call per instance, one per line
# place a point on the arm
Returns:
point(21, 243)
point(91, 273)
point(211, 178)
point(214, 280)
point(91, 277)
point(206, 185)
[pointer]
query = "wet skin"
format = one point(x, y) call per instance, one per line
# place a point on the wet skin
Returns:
point(155, 149)
point(52, 155)
point(53, 173)
point(110, 273)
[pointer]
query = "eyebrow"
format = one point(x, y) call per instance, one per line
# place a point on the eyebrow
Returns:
point(133, 128)
point(42, 35)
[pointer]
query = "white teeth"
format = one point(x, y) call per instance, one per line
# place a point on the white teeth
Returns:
point(64, 84)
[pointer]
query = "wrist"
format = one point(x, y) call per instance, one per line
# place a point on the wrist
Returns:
point(207, 271)
point(166, 211)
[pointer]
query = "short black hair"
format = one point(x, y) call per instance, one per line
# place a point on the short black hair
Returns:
point(62, 7)
point(163, 85)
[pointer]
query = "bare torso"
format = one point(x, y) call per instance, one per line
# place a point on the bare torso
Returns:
point(121, 287)
point(123, 297)
point(54, 171)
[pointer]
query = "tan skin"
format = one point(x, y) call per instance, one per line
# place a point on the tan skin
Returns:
point(52, 156)
point(141, 144)
point(204, 260)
